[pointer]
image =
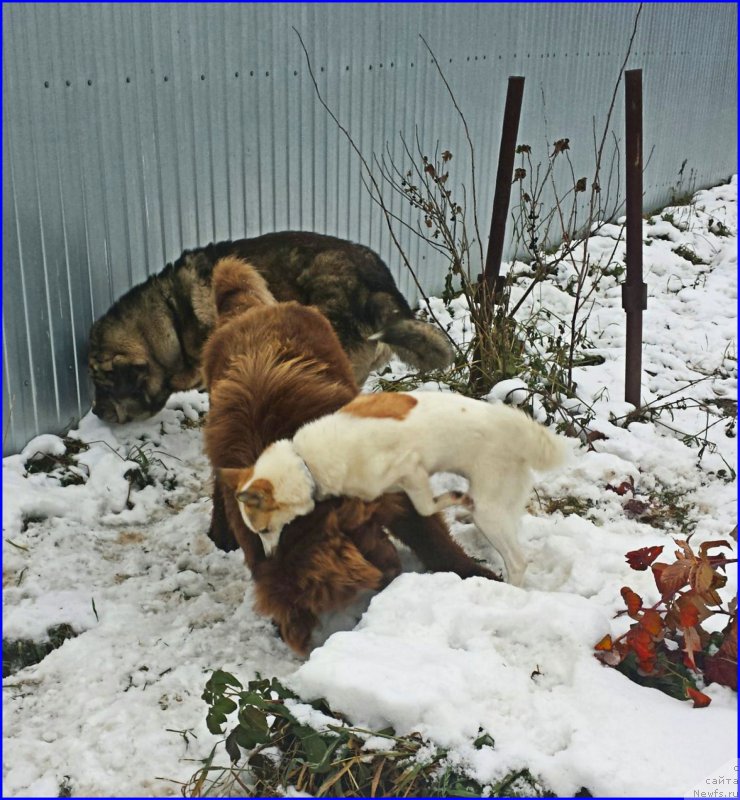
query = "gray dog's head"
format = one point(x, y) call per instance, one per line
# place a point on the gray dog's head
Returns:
point(129, 383)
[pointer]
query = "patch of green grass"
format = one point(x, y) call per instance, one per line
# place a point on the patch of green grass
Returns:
point(679, 198)
point(64, 467)
point(726, 405)
point(146, 458)
point(270, 750)
point(568, 505)
point(686, 252)
point(719, 228)
point(664, 508)
point(30, 519)
point(20, 653)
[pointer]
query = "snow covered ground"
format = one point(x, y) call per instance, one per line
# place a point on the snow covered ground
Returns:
point(117, 710)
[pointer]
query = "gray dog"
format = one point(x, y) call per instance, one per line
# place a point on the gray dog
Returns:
point(149, 342)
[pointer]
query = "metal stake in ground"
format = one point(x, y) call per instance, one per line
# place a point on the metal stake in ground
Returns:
point(502, 195)
point(490, 283)
point(634, 290)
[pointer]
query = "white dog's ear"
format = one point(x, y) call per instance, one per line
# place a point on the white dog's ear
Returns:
point(259, 494)
point(234, 478)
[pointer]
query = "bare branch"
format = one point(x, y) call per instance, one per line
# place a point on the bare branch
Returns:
point(387, 215)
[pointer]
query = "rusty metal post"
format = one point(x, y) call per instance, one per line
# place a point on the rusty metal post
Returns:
point(502, 194)
point(490, 284)
point(634, 290)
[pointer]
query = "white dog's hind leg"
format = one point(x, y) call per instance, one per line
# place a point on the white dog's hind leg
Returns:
point(448, 499)
point(497, 525)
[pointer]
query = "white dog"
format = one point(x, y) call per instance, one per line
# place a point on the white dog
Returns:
point(391, 441)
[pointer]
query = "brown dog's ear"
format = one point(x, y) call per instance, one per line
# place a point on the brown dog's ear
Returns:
point(234, 477)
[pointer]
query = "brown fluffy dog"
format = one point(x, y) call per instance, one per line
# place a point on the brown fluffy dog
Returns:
point(271, 367)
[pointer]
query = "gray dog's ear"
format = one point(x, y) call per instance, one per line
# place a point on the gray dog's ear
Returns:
point(120, 361)
point(123, 360)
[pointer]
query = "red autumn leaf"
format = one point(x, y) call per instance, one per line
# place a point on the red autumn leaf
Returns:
point(702, 577)
point(605, 643)
point(700, 603)
point(632, 600)
point(721, 670)
point(703, 548)
point(721, 667)
point(641, 642)
point(685, 551)
point(669, 578)
point(651, 622)
point(623, 487)
point(712, 598)
point(688, 615)
point(641, 559)
point(718, 561)
point(595, 436)
point(700, 699)
point(691, 645)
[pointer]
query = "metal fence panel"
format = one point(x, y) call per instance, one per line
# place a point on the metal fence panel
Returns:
point(133, 131)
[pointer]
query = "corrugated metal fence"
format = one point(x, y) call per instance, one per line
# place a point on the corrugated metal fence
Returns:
point(133, 131)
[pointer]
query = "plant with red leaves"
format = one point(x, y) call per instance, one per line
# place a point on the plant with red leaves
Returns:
point(666, 646)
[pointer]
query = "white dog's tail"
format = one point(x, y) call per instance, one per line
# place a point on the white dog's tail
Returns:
point(538, 446)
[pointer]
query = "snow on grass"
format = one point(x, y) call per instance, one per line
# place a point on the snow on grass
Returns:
point(117, 709)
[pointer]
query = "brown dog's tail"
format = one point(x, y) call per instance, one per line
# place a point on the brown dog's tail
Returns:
point(237, 287)
point(420, 344)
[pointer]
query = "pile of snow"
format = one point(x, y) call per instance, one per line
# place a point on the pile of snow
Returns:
point(446, 657)
point(117, 710)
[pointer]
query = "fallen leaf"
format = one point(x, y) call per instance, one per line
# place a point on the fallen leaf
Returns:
point(595, 436)
point(635, 508)
point(605, 643)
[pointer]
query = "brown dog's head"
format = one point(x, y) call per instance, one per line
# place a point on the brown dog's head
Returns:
point(272, 493)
